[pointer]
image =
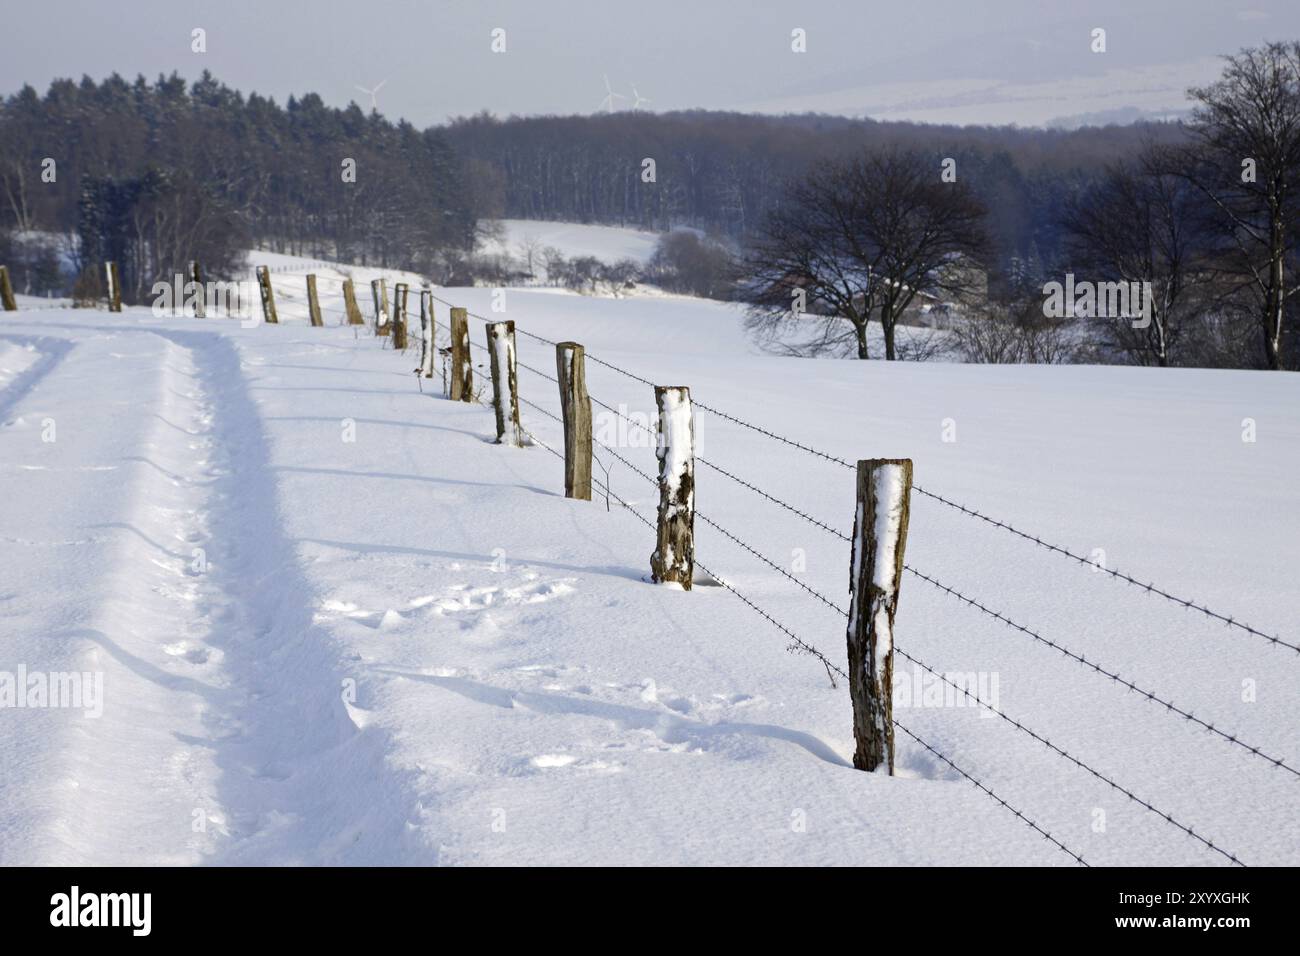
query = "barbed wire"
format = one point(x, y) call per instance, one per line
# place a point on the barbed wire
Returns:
point(1149, 588)
point(1061, 752)
point(1036, 539)
point(1004, 804)
point(1169, 705)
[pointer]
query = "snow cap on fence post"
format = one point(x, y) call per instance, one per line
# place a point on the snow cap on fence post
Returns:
point(571, 371)
point(462, 367)
point(673, 559)
point(505, 381)
point(427, 337)
point(879, 540)
point(268, 295)
point(380, 293)
point(399, 315)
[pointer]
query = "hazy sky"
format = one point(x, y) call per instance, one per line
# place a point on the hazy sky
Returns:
point(1024, 61)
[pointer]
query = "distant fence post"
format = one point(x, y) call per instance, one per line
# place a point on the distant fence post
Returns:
point(380, 293)
point(884, 493)
point(399, 315)
point(268, 295)
point(199, 293)
point(7, 291)
point(462, 370)
point(505, 381)
point(673, 559)
point(571, 369)
point(114, 287)
point(428, 339)
point(350, 303)
point(313, 301)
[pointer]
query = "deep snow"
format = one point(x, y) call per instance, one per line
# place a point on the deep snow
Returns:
point(410, 648)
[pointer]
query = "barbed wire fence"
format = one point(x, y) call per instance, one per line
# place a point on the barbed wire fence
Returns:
point(298, 308)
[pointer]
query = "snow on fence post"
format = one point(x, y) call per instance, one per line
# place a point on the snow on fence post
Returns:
point(428, 340)
point(505, 381)
point(400, 292)
point(313, 301)
point(380, 293)
point(196, 280)
point(268, 295)
point(673, 559)
point(7, 291)
point(462, 371)
point(114, 287)
point(876, 568)
point(350, 303)
point(571, 370)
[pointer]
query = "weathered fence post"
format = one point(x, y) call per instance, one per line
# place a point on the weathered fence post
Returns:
point(199, 293)
point(876, 569)
point(399, 316)
point(114, 287)
point(462, 370)
point(505, 381)
point(268, 295)
point(428, 338)
point(673, 559)
point(350, 303)
point(380, 293)
point(313, 301)
point(7, 291)
point(571, 370)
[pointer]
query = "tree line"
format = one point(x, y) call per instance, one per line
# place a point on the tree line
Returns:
point(1196, 235)
point(153, 175)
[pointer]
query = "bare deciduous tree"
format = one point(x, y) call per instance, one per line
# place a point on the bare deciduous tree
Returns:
point(1245, 159)
point(1141, 223)
point(863, 236)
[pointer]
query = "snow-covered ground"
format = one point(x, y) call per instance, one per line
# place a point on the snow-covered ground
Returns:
point(606, 243)
point(335, 623)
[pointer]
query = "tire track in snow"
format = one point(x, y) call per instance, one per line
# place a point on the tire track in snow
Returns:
point(300, 781)
point(52, 351)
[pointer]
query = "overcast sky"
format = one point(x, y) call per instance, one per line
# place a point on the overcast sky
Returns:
point(1026, 61)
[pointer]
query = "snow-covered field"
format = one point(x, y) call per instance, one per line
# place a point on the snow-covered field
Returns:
point(336, 624)
point(574, 240)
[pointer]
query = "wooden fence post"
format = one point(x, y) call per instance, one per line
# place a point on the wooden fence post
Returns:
point(199, 292)
point(399, 315)
point(268, 295)
point(571, 370)
point(350, 303)
point(674, 555)
point(879, 539)
point(313, 301)
point(380, 293)
point(7, 291)
point(428, 336)
point(462, 369)
point(114, 287)
point(505, 381)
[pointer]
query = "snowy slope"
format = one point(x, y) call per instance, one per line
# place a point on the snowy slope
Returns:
point(410, 648)
point(606, 243)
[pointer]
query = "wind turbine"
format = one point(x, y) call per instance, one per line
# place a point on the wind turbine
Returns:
point(637, 98)
point(374, 101)
point(607, 104)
